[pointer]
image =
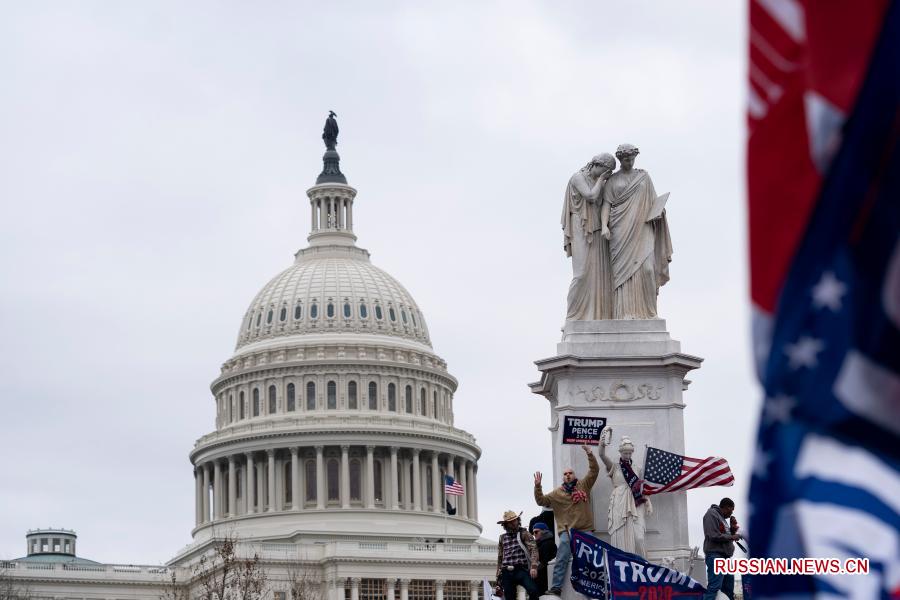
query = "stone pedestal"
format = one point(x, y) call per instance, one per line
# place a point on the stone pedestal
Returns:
point(632, 373)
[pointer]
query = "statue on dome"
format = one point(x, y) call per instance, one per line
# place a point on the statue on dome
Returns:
point(331, 131)
point(615, 230)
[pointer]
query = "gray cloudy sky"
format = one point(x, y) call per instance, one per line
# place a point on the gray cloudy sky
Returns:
point(153, 163)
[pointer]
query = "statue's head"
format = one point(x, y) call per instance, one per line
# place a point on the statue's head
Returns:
point(626, 153)
point(600, 164)
point(626, 448)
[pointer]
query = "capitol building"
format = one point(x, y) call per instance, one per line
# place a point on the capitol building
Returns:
point(333, 436)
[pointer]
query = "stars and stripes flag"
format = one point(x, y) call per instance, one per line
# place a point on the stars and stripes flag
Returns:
point(823, 167)
point(453, 487)
point(670, 472)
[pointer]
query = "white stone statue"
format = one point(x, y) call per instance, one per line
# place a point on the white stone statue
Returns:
point(633, 219)
point(590, 291)
point(628, 508)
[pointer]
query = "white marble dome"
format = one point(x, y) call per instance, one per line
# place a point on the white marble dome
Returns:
point(332, 290)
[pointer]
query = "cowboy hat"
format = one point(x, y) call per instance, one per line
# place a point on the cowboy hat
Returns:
point(509, 515)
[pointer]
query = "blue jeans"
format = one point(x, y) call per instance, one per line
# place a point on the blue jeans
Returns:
point(563, 558)
point(716, 582)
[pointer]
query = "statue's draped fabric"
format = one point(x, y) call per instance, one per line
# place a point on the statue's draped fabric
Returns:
point(626, 522)
point(640, 251)
point(590, 290)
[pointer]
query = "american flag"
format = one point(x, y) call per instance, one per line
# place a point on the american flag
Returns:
point(824, 203)
point(669, 472)
point(452, 487)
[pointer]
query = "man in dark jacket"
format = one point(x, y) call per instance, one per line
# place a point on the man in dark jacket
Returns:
point(719, 535)
point(546, 552)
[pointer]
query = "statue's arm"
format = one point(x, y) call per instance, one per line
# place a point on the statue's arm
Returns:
point(604, 221)
point(591, 192)
point(606, 461)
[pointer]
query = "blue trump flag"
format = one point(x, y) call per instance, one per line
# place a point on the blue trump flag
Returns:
point(603, 571)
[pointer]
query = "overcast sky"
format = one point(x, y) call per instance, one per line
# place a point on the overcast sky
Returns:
point(154, 159)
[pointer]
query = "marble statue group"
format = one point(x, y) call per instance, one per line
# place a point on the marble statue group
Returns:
point(615, 230)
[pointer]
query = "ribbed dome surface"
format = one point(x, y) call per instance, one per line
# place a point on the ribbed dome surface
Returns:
point(332, 292)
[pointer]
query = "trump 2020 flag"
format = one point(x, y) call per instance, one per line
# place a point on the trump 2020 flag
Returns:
point(823, 165)
point(600, 570)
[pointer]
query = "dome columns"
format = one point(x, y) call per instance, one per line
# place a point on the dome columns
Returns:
point(331, 215)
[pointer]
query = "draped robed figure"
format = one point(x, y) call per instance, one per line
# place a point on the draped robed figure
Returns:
point(640, 246)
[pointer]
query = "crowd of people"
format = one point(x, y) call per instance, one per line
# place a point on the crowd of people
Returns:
point(524, 554)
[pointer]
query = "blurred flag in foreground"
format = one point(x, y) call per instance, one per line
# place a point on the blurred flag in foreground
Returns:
point(823, 162)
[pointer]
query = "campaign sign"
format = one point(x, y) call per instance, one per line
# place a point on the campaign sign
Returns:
point(603, 571)
point(583, 430)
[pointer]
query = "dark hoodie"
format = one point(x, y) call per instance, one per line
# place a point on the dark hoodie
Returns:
point(717, 533)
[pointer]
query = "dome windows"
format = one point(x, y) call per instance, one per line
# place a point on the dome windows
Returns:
point(273, 402)
point(347, 310)
point(241, 407)
point(378, 314)
point(291, 398)
point(373, 396)
point(283, 315)
point(363, 311)
point(269, 317)
point(258, 318)
point(392, 314)
point(392, 397)
point(352, 400)
point(409, 399)
point(314, 311)
point(329, 310)
point(310, 396)
point(423, 405)
point(412, 314)
point(403, 316)
point(255, 402)
point(298, 312)
point(331, 395)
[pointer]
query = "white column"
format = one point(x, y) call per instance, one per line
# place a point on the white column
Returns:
point(320, 477)
point(470, 490)
point(391, 589)
point(261, 488)
point(370, 476)
point(271, 480)
point(463, 500)
point(354, 588)
point(312, 216)
point(395, 495)
point(417, 481)
point(232, 487)
point(206, 468)
point(438, 589)
point(249, 492)
point(217, 490)
point(295, 479)
point(474, 586)
point(404, 589)
point(350, 214)
point(345, 476)
point(436, 483)
point(198, 497)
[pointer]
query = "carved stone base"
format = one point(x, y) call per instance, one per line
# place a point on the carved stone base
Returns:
point(633, 373)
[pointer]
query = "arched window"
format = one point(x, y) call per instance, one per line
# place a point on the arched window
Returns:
point(403, 315)
point(314, 311)
point(269, 316)
point(373, 396)
point(230, 408)
point(329, 310)
point(241, 403)
point(331, 476)
point(310, 396)
point(352, 400)
point(409, 402)
point(311, 481)
point(298, 312)
point(249, 321)
point(288, 484)
point(392, 397)
point(355, 479)
point(363, 311)
point(273, 402)
point(412, 314)
point(258, 318)
point(331, 389)
point(283, 315)
point(255, 402)
point(291, 397)
point(347, 310)
point(378, 314)
point(392, 314)
point(434, 406)
point(423, 408)
point(379, 481)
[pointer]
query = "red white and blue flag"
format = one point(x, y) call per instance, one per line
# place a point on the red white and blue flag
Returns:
point(823, 159)
point(670, 472)
point(452, 487)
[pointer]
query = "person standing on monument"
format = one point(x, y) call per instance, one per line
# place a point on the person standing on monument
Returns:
point(628, 507)
point(719, 535)
point(640, 247)
point(517, 558)
point(571, 505)
point(546, 552)
point(590, 290)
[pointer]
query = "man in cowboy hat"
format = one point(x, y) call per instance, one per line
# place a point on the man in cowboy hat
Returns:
point(517, 558)
point(571, 504)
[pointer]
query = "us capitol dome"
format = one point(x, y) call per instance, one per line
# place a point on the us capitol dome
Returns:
point(333, 437)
